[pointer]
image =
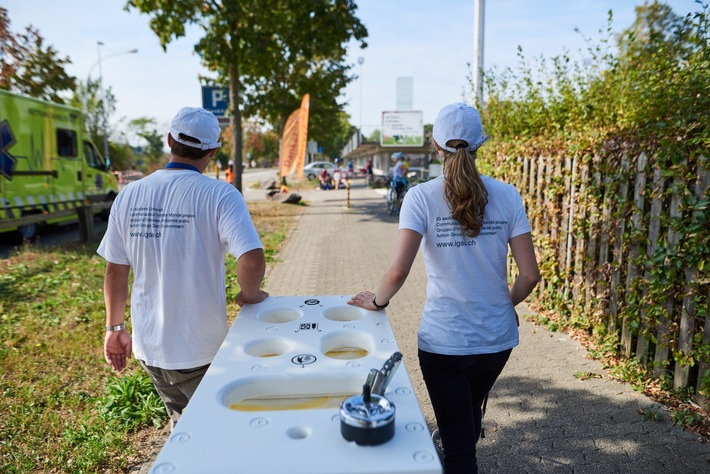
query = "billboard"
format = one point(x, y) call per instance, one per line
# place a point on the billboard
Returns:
point(402, 128)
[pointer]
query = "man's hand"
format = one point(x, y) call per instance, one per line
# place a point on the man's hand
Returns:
point(260, 296)
point(117, 348)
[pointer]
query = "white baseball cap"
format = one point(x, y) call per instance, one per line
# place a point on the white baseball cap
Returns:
point(459, 122)
point(199, 124)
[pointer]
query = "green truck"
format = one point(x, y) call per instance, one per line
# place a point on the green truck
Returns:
point(48, 166)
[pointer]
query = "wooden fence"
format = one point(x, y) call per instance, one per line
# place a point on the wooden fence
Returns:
point(623, 243)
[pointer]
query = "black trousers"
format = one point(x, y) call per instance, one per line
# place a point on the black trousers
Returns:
point(457, 386)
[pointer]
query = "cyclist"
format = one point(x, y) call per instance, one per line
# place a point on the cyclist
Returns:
point(399, 173)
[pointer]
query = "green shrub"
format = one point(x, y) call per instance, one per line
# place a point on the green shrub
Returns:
point(133, 402)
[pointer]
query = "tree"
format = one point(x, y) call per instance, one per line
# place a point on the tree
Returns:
point(95, 105)
point(336, 135)
point(664, 61)
point(145, 129)
point(123, 157)
point(28, 66)
point(270, 54)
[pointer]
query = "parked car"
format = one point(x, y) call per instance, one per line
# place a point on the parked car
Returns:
point(313, 170)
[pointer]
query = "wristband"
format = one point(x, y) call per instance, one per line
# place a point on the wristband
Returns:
point(117, 327)
point(378, 306)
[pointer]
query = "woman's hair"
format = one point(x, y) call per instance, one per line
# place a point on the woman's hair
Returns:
point(463, 187)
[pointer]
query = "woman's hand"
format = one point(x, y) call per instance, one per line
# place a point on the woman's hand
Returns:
point(364, 300)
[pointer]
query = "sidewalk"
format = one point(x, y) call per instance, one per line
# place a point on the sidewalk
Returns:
point(540, 417)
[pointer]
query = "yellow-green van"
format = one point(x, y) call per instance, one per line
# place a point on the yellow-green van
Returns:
point(47, 163)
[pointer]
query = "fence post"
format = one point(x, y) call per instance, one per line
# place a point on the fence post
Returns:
point(571, 185)
point(664, 320)
point(581, 245)
point(654, 231)
point(632, 267)
point(618, 253)
point(594, 237)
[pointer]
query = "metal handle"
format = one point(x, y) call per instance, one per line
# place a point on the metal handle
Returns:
point(385, 374)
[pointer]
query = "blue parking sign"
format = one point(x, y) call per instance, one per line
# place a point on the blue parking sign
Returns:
point(215, 99)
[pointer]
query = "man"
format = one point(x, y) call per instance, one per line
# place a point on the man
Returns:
point(173, 229)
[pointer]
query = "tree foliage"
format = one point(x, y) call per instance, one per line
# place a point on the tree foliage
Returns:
point(95, 104)
point(269, 55)
point(650, 82)
point(29, 66)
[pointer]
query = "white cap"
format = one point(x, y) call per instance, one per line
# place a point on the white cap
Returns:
point(199, 124)
point(459, 122)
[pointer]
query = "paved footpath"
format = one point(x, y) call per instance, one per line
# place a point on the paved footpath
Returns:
point(540, 418)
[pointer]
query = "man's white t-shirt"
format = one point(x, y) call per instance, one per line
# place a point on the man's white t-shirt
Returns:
point(173, 228)
point(468, 309)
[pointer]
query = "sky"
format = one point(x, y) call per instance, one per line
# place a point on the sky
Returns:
point(428, 41)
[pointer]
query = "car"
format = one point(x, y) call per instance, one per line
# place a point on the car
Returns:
point(312, 170)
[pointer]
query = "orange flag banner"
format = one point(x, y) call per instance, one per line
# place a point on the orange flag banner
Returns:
point(293, 141)
point(302, 134)
point(289, 145)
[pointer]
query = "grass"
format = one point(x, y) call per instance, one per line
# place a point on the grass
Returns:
point(63, 410)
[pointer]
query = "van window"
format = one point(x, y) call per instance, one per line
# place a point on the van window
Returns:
point(93, 159)
point(66, 143)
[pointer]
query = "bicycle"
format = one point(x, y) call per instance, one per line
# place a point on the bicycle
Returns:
point(394, 202)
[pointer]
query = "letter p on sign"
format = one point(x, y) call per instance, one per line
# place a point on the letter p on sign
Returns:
point(217, 96)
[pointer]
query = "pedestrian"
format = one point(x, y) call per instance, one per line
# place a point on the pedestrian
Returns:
point(172, 229)
point(326, 181)
point(229, 173)
point(465, 222)
point(218, 167)
point(337, 177)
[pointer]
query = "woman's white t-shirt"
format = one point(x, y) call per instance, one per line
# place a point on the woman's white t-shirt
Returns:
point(468, 309)
point(173, 228)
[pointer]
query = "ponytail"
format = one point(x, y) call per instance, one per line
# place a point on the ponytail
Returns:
point(463, 188)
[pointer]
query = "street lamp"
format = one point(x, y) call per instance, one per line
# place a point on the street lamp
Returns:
point(101, 91)
point(360, 60)
point(478, 30)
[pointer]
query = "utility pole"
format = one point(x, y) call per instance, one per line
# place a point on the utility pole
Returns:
point(360, 60)
point(478, 33)
point(103, 102)
point(104, 97)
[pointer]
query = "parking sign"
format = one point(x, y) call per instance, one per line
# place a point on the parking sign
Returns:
point(215, 99)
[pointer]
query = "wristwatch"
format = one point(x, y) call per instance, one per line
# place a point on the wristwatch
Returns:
point(379, 306)
point(117, 327)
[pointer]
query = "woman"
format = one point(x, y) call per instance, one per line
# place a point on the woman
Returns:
point(469, 325)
